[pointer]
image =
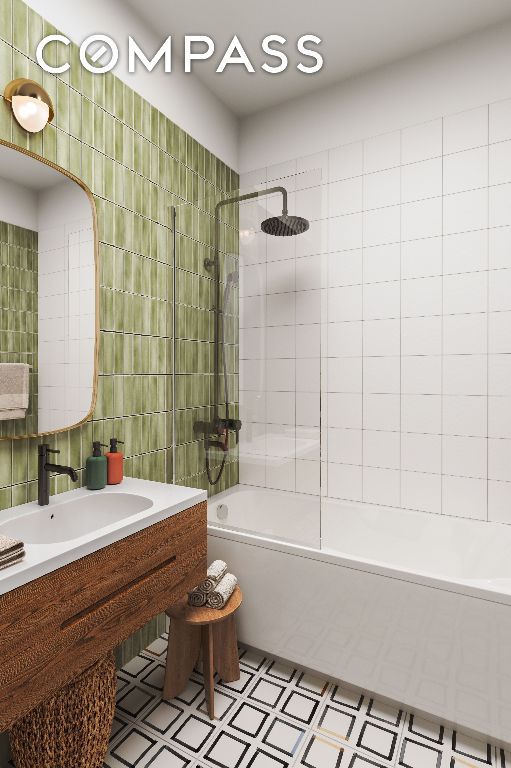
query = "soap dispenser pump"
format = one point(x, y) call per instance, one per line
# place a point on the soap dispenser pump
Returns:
point(96, 468)
point(115, 460)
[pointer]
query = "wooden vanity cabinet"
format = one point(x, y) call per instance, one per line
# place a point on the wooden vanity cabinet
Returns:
point(57, 626)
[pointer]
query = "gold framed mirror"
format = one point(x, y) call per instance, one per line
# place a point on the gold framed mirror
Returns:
point(49, 297)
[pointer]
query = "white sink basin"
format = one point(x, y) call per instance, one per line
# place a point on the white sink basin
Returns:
point(74, 518)
point(80, 522)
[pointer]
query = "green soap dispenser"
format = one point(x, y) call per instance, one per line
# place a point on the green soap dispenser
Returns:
point(96, 468)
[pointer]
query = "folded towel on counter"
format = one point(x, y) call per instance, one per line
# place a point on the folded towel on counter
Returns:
point(214, 575)
point(9, 546)
point(196, 598)
point(12, 551)
point(222, 592)
point(8, 560)
point(14, 388)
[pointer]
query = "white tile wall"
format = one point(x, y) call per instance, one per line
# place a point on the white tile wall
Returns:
point(66, 324)
point(415, 307)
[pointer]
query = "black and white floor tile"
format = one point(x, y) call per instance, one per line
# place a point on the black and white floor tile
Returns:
point(275, 716)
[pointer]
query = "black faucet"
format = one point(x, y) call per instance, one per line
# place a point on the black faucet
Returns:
point(44, 469)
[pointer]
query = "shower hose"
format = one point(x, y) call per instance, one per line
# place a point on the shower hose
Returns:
point(231, 280)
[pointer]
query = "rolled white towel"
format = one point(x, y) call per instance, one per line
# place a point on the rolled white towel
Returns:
point(196, 598)
point(223, 591)
point(214, 575)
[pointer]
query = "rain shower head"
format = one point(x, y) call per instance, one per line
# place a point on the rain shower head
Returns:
point(285, 225)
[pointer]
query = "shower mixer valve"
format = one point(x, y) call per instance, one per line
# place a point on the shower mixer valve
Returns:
point(214, 431)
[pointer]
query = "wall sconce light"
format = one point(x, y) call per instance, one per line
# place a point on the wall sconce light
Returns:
point(30, 104)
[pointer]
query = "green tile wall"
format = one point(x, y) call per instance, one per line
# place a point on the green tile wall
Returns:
point(18, 313)
point(138, 164)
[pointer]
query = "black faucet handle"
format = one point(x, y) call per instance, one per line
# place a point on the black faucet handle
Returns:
point(45, 448)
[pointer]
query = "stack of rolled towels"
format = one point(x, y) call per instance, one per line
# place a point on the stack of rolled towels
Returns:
point(216, 589)
point(11, 551)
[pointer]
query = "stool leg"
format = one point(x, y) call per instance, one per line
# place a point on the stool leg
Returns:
point(225, 644)
point(208, 669)
point(182, 654)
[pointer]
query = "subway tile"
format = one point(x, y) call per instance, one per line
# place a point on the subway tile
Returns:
point(464, 456)
point(381, 300)
point(381, 226)
point(421, 219)
point(345, 197)
point(465, 375)
point(345, 303)
point(499, 205)
point(421, 452)
point(465, 293)
point(381, 152)
point(345, 482)
point(421, 297)
point(499, 247)
point(465, 171)
point(465, 415)
point(421, 491)
point(499, 290)
point(381, 337)
point(345, 161)
point(381, 189)
point(344, 339)
point(421, 142)
point(381, 486)
point(499, 417)
point(421, 180)
point(421, 336)
point(381, 412)
point(499, 117)
point(421, 374)
point(465, 130)
point(421, 258)
point(465, 252)
point(381, 449)
point(344, 232)
point(465, 334)
point(499, 459)
point(499, 328)
point(345, 268)
point(308, 375)
point(345, 446)
point(466, 211)
point(499, 374)
point(421, 413)
point(382, 375)
point(308, 409)
point(500, 163)
point(381, 263)
point(464, 497)
point(344, 374)
point(499, 502)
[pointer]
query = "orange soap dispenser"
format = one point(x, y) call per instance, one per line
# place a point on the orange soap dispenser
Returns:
point(115, 462)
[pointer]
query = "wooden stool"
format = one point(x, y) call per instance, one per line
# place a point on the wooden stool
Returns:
point(215, 631)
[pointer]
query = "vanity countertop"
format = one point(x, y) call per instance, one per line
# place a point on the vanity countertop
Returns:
point(66, 529)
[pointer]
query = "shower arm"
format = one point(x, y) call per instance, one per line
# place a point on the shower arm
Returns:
point(217, 425)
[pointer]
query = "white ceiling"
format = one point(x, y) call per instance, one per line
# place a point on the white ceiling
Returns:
point(357, 35)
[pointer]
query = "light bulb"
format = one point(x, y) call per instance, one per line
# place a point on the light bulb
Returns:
point(30, 112)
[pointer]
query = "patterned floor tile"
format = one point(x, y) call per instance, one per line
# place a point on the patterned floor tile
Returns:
point(275, 716)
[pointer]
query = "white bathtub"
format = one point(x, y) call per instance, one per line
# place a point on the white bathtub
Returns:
point(411, 606)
